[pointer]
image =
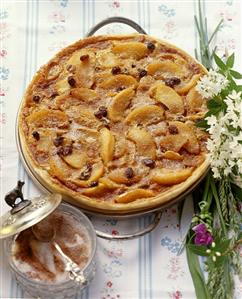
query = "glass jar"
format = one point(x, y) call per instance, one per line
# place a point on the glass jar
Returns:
point(61, 290)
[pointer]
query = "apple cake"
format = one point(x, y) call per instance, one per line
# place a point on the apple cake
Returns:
point(110, 122)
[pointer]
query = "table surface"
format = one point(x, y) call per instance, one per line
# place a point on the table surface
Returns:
point(31, 32)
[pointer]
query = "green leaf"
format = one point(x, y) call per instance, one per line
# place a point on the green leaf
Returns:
point(213, 111)
point(237, 191)
point(219, 261)
point(202, 124)
point(214, 104)
point(229, 285)
point(197, 275)
point(230, 61)
point(238, 88)
point(235, 74)
point(199, 250)
point(215, 194)
point(220, 63)
point(221, 244)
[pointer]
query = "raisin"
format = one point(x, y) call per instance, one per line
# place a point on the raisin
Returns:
point(133, 65)
point(129, 173)
point(71, 81)
point(142, 73)
point(84, 57)
point(36, 98)
point(54, 94)
point(98, 114)
point(36, 135)
point(101, 112)
point(171, 82)
point(93, 184)
point(85, 175)
point(65, 150)
point(58, 141)
point(116, 70)
point(149, 162)
point(150, 46)
point(173, 130)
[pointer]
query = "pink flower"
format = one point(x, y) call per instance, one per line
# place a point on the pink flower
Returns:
point(203, 236)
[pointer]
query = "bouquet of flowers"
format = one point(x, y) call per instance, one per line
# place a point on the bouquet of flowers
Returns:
point(215, 232)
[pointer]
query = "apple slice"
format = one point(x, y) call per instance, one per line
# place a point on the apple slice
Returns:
point(194, 100)
point(171, 155)
point(165, 69)
point(169, 177)
point(76, 159)
point(58, 168)
point(97, 172)
point(184, 87)
point(83, 116)
point(108, 183)
point(173, 142)
point(48, 119)
point(145, 115)
point(84, 94)
point(169, 97)
point(134, 195)
point(107, 59)
point(76, 60)
point(54, 71)
point(145, 144)
point(107, 142)
point(120, 102)
point(187, 132)
point(117, 81)
point(62, 86)
point(118, 176)
point(97, 191)
point(134, 50)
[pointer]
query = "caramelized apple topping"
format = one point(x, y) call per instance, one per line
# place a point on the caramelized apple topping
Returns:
point(115, 120)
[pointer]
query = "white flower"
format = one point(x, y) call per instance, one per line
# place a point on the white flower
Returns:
point(225, 142)
point(211, 84)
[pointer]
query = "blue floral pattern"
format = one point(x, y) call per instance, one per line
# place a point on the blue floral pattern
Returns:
point(174, 247)
point(166, 11)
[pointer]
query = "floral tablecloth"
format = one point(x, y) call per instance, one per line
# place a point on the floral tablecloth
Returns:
point(31, 32)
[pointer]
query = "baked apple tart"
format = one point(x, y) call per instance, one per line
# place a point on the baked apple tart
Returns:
point(109, 122)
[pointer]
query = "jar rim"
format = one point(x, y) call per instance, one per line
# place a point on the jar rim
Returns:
point(65, 282)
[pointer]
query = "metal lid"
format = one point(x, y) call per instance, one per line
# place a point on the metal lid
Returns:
point(25, 213)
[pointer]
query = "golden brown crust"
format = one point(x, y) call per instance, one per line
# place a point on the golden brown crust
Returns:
point(43, 174)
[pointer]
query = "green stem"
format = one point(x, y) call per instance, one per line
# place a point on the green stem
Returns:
point(209, 201)
point(201, 23)
point(215, 194)
point(197, 275)
point(205, 193)
point(215, 31)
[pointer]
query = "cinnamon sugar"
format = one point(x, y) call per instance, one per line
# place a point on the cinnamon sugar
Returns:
point(41, 261)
